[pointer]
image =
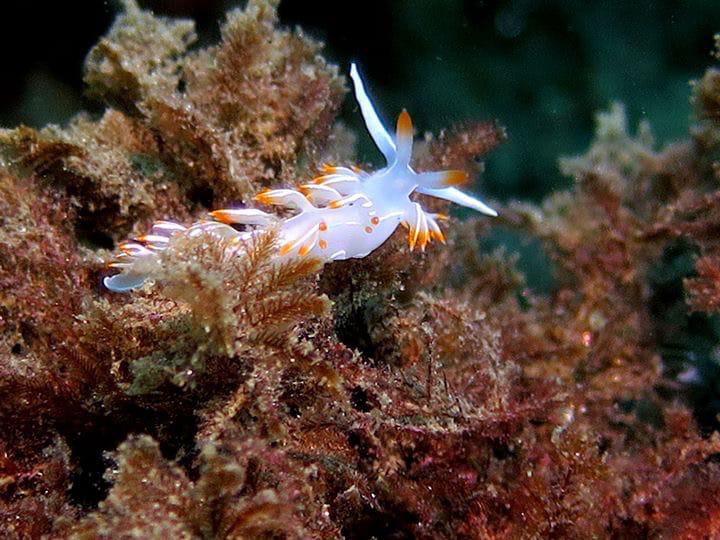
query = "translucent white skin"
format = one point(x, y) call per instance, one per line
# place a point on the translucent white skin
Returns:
point(387, 145)
point(343, 214)
point(361, 225)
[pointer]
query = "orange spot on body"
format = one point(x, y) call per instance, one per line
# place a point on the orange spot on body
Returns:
point(328, 169)
point(335, 204)
point(368, 229)
point(375, 220)
point(322, 244)
point(304, 250)
point(322, 226)
point(285, 249)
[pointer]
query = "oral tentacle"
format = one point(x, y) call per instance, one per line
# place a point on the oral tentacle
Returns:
point(375, 127)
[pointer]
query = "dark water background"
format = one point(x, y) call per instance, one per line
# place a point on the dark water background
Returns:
point(542, 68)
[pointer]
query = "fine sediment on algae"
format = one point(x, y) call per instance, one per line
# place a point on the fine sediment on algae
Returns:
point(427, 395)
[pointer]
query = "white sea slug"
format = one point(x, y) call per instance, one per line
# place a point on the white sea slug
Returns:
point(345, 213)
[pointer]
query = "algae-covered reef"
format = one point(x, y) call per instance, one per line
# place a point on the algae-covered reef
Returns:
point(403, 395)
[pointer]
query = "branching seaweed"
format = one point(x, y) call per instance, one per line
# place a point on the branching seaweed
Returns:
point(401, 395)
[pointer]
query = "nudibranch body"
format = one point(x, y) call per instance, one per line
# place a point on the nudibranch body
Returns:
point(344, 213)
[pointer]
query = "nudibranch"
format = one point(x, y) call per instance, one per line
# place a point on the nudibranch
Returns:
point(344, 213)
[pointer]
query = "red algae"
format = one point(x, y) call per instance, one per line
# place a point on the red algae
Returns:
point(401, 395)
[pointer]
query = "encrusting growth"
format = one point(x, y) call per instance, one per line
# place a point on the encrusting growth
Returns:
point(345, 213)
point(258, 392)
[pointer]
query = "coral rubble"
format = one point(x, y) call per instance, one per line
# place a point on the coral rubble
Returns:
point(428, 395)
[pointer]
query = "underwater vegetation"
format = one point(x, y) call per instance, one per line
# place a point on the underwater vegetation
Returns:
point(401, 395)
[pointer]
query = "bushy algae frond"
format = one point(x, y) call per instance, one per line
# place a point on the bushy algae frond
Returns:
point(429, 394)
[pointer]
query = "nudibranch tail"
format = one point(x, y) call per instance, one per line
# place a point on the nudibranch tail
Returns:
point(343, 213)
point(120, 283)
